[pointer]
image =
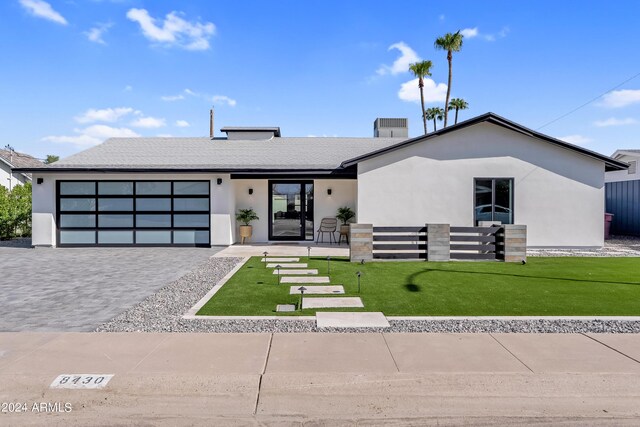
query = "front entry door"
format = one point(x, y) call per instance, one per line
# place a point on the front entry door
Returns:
point(291, 210)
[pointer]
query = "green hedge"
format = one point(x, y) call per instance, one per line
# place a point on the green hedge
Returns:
point(15, 212)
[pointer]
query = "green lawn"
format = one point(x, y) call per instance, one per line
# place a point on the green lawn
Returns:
point(544, 286)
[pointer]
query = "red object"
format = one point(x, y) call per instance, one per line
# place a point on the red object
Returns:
point(607, 225)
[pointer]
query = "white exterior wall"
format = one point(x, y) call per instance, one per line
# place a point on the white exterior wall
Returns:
point(8, 179)
point(558, 193)
point(43, 201)
point(343, 193)
point(624, 175)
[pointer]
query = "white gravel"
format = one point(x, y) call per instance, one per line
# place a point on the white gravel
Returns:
point(163, 311)
point(617, 246)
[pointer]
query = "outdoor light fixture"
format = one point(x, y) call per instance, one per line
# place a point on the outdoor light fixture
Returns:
point(328, 266)
point(328, 191)
point(358, 274)
point(251, 191)
point(278, 268)
point(265, 258)
point(308, 253)
point(301, 289)
point(219, 181)
point(40, 180)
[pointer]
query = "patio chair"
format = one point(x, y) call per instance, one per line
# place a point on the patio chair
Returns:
point(327, 225)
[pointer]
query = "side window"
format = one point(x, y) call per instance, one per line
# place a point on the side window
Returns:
point(494, 200)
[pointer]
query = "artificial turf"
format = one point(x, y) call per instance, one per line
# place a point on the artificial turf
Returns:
point(561, 286)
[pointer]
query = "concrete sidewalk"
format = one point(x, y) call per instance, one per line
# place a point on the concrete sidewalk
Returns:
point(186, 379)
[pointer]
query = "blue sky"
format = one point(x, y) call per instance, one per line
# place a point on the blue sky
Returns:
point(76, 72)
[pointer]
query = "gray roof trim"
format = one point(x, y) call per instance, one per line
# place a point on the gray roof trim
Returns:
point(181, 170)
point(610, 163)
point(275, 130)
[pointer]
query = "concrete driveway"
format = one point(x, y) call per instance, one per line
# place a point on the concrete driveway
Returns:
point(76, 289)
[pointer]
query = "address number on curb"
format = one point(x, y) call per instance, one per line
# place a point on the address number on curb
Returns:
point(81, 381)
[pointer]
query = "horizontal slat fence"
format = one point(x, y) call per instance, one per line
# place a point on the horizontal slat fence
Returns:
point(400, 243)
point(475, 243)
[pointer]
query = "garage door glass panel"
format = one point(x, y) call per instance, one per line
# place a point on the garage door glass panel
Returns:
point(187, 204)
point(115, 204)
point(149, 187)
point(77, 188)
point(86, 205)
point(190, 237)
point(115, 237)
point(78, 221)
point(115, 221)
point(191, 220)
point(153, 237)
point(153, 204)
point(188, 188)
point(77, 237)
point(115, 188)
point(153, 221)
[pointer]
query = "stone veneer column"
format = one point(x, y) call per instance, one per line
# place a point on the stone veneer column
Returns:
point(438, 242)
point(360, 242)
point(515, 243)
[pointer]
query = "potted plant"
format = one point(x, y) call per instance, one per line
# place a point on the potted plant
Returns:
point(345, 214)
point(245, 216)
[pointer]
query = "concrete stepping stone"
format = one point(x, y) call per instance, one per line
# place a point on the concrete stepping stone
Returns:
point(317, 290)
point(289, 265)
point(308, 271)
point(327, 319)
point(280, 259)
point(332, 302)
point(309, 279)
point(285, 308)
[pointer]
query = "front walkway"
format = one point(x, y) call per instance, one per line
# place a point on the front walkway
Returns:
point(285, 249)
point(418, 379)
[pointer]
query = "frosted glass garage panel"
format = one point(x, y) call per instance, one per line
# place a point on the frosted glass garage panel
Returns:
point(78, 221)
point(115, 237)
point(191, 187)
point(190, 220)
point(78, 204)
point(153, 204)
point(77, 188)
point(115, 204)
point(153, 237)
point(190, 237)
point(77, 237)
point(115, 188)
point(153, 221)
point(151, 187)
point(115, 221)
point(187, 204)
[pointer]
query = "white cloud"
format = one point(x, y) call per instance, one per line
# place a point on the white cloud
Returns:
point(401, 64)
point(433, 92)
point(615, 122)
point(182, 123)
point(222, 99)
point(621, 98)
point(148, 122)
point(92, 135)
point(95, 34)
point(469, 33)
point(42, 9)
point(173, 30)
point(128, 88)
point(441, 17)
point(109, 115)
point(170, 98)
point(576, 139)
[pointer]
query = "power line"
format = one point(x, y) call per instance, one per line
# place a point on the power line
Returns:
point(589, 102)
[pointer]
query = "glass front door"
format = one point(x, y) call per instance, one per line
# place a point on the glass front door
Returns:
point(290, 210)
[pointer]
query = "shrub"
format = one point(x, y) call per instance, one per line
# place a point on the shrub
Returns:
point(15, 212)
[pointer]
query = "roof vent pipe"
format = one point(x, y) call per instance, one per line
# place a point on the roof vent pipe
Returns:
point(211, 123)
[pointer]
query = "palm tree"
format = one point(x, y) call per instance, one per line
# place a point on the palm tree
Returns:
point(458, 104)
point(451, 43)
point(421, 70)
point(434, 113)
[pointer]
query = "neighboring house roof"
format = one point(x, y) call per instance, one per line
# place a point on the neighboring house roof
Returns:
point(626, 152)
point(610, 164)
point(275, 130)
point(219, 154)
point(19, 161)
point(300, 154)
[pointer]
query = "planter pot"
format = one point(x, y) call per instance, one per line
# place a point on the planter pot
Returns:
point(245, 232)
point(344, 229)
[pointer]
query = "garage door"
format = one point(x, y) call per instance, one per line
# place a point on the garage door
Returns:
point(133, 213)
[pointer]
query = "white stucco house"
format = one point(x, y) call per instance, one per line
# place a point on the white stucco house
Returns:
point(185, 191)
point(11, 160)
